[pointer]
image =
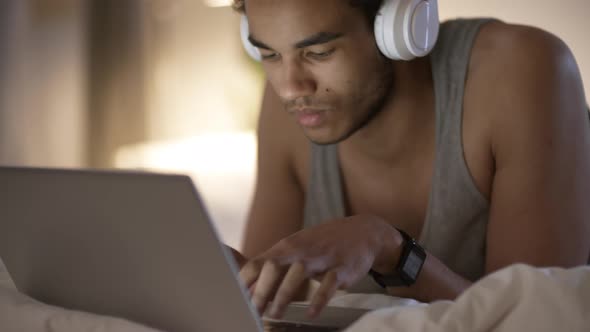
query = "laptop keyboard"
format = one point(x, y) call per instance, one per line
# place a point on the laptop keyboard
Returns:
point(291, 327)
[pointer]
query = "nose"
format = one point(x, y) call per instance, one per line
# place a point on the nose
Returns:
point(295, 81)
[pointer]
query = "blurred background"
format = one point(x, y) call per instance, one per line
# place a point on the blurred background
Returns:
point(164, 85)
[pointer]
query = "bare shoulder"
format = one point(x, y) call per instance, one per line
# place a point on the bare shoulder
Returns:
point(522, 82)
point(499, 33)
point(526, 91)
point(515, 56)
point(518, 72)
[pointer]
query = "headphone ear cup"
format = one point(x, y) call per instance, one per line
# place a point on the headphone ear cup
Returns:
point(385, 27)
point(405, 29)
point(422, 27)
point(252, 51)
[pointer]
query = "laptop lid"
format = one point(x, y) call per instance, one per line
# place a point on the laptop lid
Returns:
point(127, 244)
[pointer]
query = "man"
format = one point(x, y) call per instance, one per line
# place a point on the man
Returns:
point(480, 151)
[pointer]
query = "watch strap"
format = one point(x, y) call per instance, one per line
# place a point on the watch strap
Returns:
point(408, 267)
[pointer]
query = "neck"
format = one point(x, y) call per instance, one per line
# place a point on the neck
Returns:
point(405, 123)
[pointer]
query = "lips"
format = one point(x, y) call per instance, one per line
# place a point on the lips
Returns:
point(310, 118)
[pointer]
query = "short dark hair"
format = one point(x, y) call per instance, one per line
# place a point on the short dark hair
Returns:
point(368, 7)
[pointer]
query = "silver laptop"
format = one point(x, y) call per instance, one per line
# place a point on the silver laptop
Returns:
point(129, 244)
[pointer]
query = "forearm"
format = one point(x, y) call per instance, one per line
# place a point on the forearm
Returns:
point(435, 282)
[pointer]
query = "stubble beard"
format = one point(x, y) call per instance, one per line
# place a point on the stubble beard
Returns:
point(385, 87)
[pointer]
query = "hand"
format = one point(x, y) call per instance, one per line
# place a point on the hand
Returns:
point(337, 254)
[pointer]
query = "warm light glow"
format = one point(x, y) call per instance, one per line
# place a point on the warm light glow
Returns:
point(222, 165)
point(209, 92)
point(218, 3)
point(212, 153)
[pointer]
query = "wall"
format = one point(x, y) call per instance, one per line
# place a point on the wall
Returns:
point(42, 82)
point(201, 80)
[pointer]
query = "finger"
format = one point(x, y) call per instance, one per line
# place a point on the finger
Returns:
point(269, 280)
point(251, 289)
point(288, 289)
point(324, 293)
point(250, 272)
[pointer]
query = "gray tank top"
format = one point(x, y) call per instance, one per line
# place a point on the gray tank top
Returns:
point(455, 227)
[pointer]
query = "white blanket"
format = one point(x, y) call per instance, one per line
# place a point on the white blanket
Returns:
point(517, 298)
point(20, 313)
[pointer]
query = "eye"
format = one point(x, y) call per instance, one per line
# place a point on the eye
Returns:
point(320, 55)
point(269, 56)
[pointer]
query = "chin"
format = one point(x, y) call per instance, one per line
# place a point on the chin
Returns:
point(326, 138)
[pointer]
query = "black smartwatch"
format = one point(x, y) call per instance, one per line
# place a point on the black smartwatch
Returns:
point(408, 268)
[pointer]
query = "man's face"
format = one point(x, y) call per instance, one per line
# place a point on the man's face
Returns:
point(321, 59)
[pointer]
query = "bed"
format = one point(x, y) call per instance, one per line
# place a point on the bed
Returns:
point(516, 298)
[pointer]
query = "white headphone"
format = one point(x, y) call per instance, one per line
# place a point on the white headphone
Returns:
point(404, 29)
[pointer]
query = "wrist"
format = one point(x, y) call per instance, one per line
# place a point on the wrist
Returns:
point(407, 267)
point(390, 249)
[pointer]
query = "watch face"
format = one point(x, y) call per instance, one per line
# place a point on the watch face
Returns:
point(413, 265)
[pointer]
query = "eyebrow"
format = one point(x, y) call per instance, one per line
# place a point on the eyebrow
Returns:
point(317, 39)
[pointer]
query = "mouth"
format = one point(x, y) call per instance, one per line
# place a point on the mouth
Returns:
point(310, 118)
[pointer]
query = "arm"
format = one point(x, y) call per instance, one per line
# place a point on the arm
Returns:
point(540, 214)
point(540, 141)
point(277, 208)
